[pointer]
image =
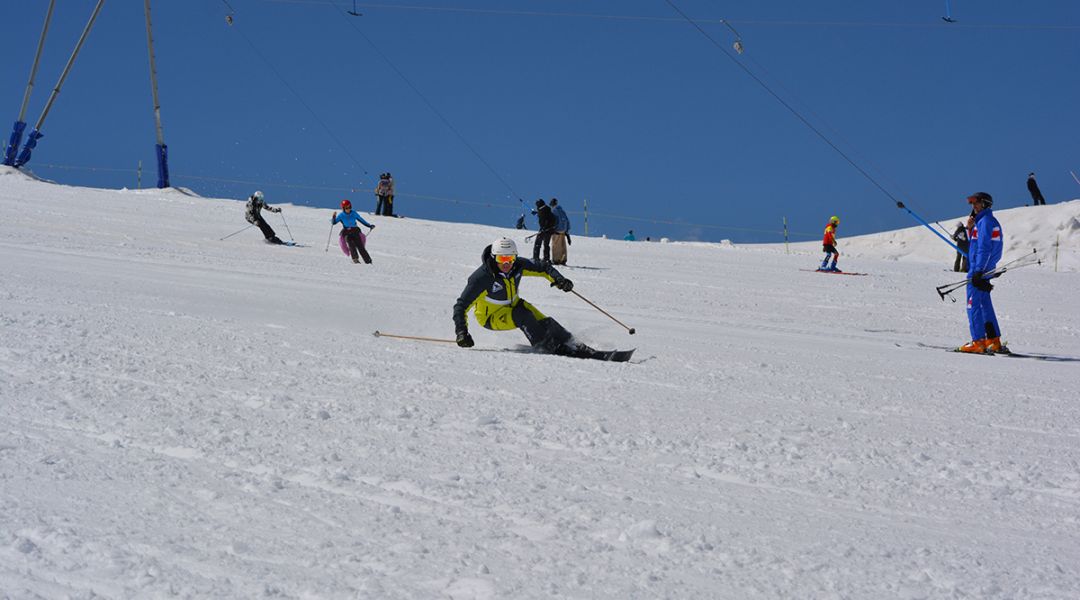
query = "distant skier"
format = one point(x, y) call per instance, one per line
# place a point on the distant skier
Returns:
point(492, 293)
point(351, 222)
point(960, 236)
point(629, 237)
point(253, 214)
point(547, 222)
point(561, 237)
point(828, 245)
point(385, 191)
point(986, 247)
point(1033, 189)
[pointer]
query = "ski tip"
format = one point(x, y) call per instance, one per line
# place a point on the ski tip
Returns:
point(377, 334)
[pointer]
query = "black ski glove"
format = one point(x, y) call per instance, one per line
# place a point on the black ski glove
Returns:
point(980, 283)
point(333, 219)
point(563, 284)
point(275, 210)
point(464, 339)
point(370, 227)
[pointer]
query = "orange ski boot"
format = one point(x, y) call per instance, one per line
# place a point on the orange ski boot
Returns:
point(973, 347)
point(994, 345)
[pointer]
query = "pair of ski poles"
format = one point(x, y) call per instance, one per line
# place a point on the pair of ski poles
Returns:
point(629, 329)
point(1023, 261)
point(331, 234)
point(252, 225)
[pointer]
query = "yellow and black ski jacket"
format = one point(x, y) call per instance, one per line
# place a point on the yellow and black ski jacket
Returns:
point(489, 290)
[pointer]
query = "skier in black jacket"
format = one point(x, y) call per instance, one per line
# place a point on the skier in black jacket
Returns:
point(548, 221)
point(1033, 189)
point(253, 214)
point(492, 292)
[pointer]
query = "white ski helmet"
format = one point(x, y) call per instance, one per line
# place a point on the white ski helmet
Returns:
point(258, 195)
point(503, 246)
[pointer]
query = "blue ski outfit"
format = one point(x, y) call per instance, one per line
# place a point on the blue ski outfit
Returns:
point(984, 252)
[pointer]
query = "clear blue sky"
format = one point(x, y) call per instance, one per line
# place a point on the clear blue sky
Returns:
point(634, 110)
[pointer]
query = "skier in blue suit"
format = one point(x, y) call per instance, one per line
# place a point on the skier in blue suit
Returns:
point(984, 253)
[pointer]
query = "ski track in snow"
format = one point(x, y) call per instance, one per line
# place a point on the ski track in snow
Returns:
point(182, 416)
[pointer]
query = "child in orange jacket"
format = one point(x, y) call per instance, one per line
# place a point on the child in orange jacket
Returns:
point(828, 245)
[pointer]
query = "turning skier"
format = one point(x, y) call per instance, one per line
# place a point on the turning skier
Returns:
point(253, 214)
point(983, 255)
point(492, 292)
point(828, 245)
point(354, 238)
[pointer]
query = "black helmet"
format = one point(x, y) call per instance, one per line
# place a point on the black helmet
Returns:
point(539, 203)
point(986, 199)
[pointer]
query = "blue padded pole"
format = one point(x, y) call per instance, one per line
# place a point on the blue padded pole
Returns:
point(927, 225)
point(162, 166)
point(36, 134)
point(13, 144)
point(20, 125)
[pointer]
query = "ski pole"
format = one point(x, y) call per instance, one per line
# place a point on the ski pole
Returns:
point(328, 237)
point(413, 337)
point(1024, 261)
point(234, 233)
point(286, 226)
point(630, 329)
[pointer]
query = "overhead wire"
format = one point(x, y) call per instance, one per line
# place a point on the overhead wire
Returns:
point(783, 102)
point(817, 131)
point(426, 197)
point(299, 97)
point(759, 22)
point(428, 102)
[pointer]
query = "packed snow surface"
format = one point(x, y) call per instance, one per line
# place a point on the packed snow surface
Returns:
point(182, 416)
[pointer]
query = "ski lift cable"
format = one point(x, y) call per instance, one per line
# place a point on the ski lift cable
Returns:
point(428, 102)
point(779, 99)
point(619, 17)
point(286, 83)
point(817, 131)
point(878, 171)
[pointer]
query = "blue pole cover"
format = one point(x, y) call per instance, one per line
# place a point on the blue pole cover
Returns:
point(162, 166)
point(31, 143)
point(935, 231)
point(13, 143)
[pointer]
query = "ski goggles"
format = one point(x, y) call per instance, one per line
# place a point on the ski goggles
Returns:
point(505, 259)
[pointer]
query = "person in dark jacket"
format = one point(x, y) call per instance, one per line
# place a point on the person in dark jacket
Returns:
point(561, 237)
point(547, 227)
point(253, 214)
point(492, 293)
point(1033, 189)
point(385, 192)
point(960, 236)
point(350, 223)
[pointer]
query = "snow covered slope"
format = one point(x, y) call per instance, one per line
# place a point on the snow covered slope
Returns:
point(1052, 230)
point(183, 416)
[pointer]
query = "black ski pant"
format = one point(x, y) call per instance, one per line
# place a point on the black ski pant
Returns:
point(267, 231)
point(385, 206)
point(545, 334)
point(356, 244)
point(544, 237)
point(960, 265)
point(1037, 198)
